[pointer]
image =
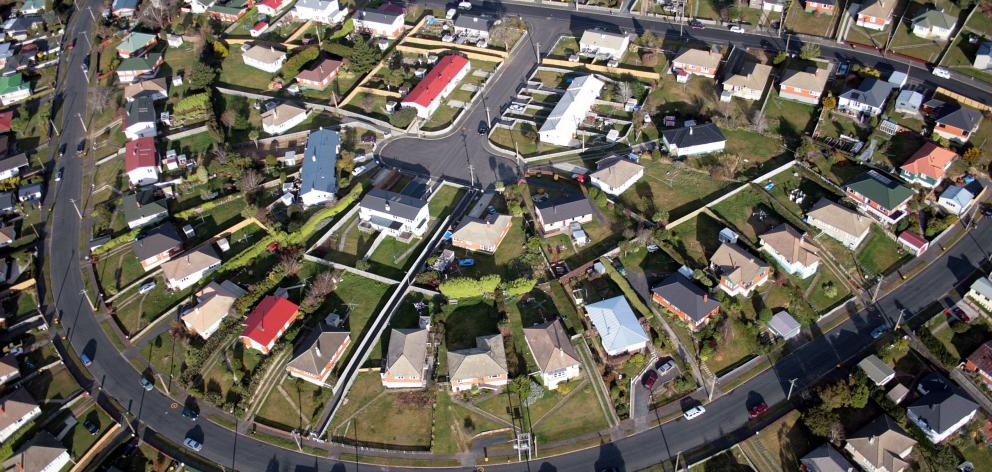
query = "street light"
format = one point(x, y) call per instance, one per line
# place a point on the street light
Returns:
point(80, 116)
point(73, 201)
point(792, 384)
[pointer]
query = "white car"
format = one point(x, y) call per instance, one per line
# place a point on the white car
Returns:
point(465, 6)
point(192, 444)
point(736, 29)
point(148, 287)
point(358, 171)
point(694, 412)
point(942, 72)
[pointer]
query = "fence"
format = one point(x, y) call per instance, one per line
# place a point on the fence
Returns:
point(461, 47)
point(641, 74)
point(187, 133)
point(470, 54)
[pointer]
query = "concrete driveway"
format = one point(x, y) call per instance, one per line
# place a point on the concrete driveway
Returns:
point(642, 395)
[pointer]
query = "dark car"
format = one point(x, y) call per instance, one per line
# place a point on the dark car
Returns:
point(81, 147)
point(483, 127)
point(62, 150)
point(649, 379)
point(695, 24)
point(958, 313)
point(91, 428)
point(775, 25)
point(756, 410)
point(190, 413)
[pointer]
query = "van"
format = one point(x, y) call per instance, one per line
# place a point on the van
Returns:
point(694, 412)
point(942, 72)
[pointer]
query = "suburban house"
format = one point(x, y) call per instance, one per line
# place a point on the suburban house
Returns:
point(395, 214)
point(819, 6)
point(18, 28)
point(481, 234)
point(603, 44)
point(213, 304)
point(13, 89)
point(17, 409)
point(867, 99)
point(315, 362)
point(570, 110)
point(553, 352)
point(124, 8)
point(137, 68)
point(698, 62)
point(557, 214)
point(30, 192)
point(320, 75)
point(934, 24)
point(266, 58)
point(981, 293)
point(386, 21)
point(154, 89)
point(144, 207)
point(483, 366)
point(473, 26)
point(791, 250)
point(327, 12)
point(983, 57)
point(267, 322)
point(228, 11)
point(141, 161)
point(618, 328)
point(9, 368)
point(318, 181)
point(913, 243)
point(877, 370)
point(135, 44)
point(694, 140)
point(11, 167)
point(270, 7)
point(957, 199)
point(908, 102)
point(942, 408)
point(140, 119)
point(157, 246)
point(839, 222)
point(826, 459)
point(614, 175)
point(927, 166)
point(187, 269)
point(6, 202)
point(6, 116)
point(41, 453)
point(980, 361)
point(427, 95)
point(783, 325)
point(8, 234)
point(406, 358)
point(739, 271)
point(748, 82)
point(952, 121)
point(31, 7)
point(804, 86)
point(880, 196)
point(282, 118)
point(881, 446)
point(685, 299)
point(776, 6)
point(876, 14)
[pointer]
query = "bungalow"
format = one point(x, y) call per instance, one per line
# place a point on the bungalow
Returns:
point(473, 26)
point(19, 28)
point(143, 208)
point(271, 7)
point(386, 21)
point(686, 300)
point(154, 89)
point(913, 243)
point(839, 222)
point(266, 58)
point(395, 214)
point(942, 409)
point(427, 95)
point(908, 102)
point(776, 6)
point(739, 271)
point(139, 119)
point(136, 44)
point(980, 292)
point(791, 250)
point(213, 304)
point(570, 110)
point(748, 82)
point(556, 214)
point(327, 12)
point(876, 370)
point(934, 24)
point(698, 62)
point(41, 453)
point(124, 8)
point(804, 86)
point(825, 459)
point(13, 89)
point(867, 99)
point(29, 192)
point(137, 68)
point(317, 176)
point(618, 328)
point(600, 43)
point(819, 6)
point(141, 161)
point(957, 199)
point(481, 234)
point(320, 75)
point(980, 363)
point(267, 322)
point(880, 196)
point(406, 358)
point(9, 368)
point(157, 246)
point(17, 409)
point(876, 14)
point(881, 446)
point(315, 362)
point(483, 366)
point(614, 175)
point(188, 269)
point(953, 121)
point(694, 140)
point(10, 167)
point(282, 118)
point(553, 352)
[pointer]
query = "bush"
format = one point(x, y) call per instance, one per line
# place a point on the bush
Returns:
point(464, 287)
point(518, 287)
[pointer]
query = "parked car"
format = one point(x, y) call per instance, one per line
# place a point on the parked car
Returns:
point(81, 147)
point(58, 175)
point(465, 5)
point(62, 150)
point(942, 72)
point(192, 444)
point(879, 331)
point(649, 379)
point(958, 313)
point(695, 24)
point(85, 359)
point(483, 127)
point(148, 287)
point(664, 367)
point(736, 29)
point(694, 412)
point(842, 70)
point(190, 413)
point(146, 384)
point(91, 428)
point(756, 410)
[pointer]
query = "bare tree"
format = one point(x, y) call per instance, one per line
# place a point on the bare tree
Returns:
point(624, 92)
point(157, 14)
point(321, 286)
point(228, 118)
point(219, 154)
point(289, 261)
point(250, 180)
point(98, 97)
point(178, 330)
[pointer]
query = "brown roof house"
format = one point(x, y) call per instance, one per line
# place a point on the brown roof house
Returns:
point(980, 362)
point(282, 118)
point(483, 366)
point(791, 250)
point(881, 446)
point(155, 89)
point(406, 358)
point(839, 222)
point(9, 368)
point(482, 234)
point(740, 272)
point(553, 352)
point(43, 453)
point(213, 304)
point(16, 410)
point(614, 175)
point(315, 362)
point(748, 82)
point(804, 86)
point(187, 269)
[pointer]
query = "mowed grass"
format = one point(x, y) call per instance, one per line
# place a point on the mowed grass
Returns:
point(300, 411)
point(359, 299)
point(816, 24)
point(789, 118)
point(750, 212)
point(584, 416)
point(165, 354)
point(234, 71)
point(464, 321)
point(674, 187)
point(512, 247)
point(135, 311)
point(879, 254)
point(53, 384)
point(730, 350)
point(356, 244)
point(118, 270)
point(80, 440)
point(396, 418)
point(454, 425)
point(696, 239)
point(366, 387)
point(391, 256)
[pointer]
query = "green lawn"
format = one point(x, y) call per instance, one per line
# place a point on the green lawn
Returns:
point(391, 257)
point(819, 299)
point(111, 173)
point(789, 118)
point(879, 254)
point(585, 416)
point(135, 311)
point(445, 114)
point(524, 139)
point(219, 380)
point(356, 244)
point(79, 440)
point(502, 261)
point(469, 318)
point(208, 223)
point(308, 402)
point(396, 418)
point(367, 385)
point(759, 152)
point(234, 71)
point(360, 299)
point(444, 200)
point(118, 271)
point(730, 351)
point(54, 384)
point(673, 187)
point(696, 239)
point(751, 213)
point(165, 354)
point(194, 145)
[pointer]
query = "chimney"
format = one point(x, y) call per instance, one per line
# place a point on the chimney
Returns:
point(387, 206)
point(872, 439)
point(316, 348)
point(706, 298)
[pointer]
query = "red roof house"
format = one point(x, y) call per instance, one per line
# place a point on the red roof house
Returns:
point(436, 85)
point(980, 362)
point(267, 322)
point(258, 29)
point(270, 7)
point(141, 161)
point(913, 242)
point(927, 165)
point(319, 76)
point(5, 118)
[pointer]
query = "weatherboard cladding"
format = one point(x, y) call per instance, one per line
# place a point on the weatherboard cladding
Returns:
point(319, 162)
point(157, 241)
point(401, 206)
point(563, 209)
point(692, 136)
point(884, 191)
point(431, 86)
point(943, 405)
point(686, 296)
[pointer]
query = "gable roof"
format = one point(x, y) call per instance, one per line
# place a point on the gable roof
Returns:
point(5, 118)
point(957, 116)
point(15, 407)
point(191, 262)
point(686, 296)
point(320, 71)
point(13, 162)
point(8, 234)
point(870, 91)
point(603, 39)
point(264, 54)
point(809, 79)
point(882, 442)
point(281, 113)
point(699, 57)
point(750, 75)
point(391, 203)
point(213, 303)
point(697, 135)
point(264, 322)
point(486, 359)
point(616, 171)
point(737, 265)
point(9, 365)
point(134, 41)
point(827, 459)
point(407, 352)
point(318, 353)
point(982, 357)
point(881, 189)
point(320, 162)
point(563, 208)
point(145, 87)
point(140, 63)
point(140, 110)
point(430, 87)
point(37, 454)
point(616, 323)
point(983, 286)
point(840, 217)
point(930, 160)
point(382, 15)
point(935, 18)
point(962, 194)
point(139, 153)
point(550, 346)
point(12, 83)
point(160, 239)
point(879, 8)
point(943, 405)
point(784, 325)
point(143, 204)
point(485, 232)
point(792, 245)
point(474, 22)
point(875, 369)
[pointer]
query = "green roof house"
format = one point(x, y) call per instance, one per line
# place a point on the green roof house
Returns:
point(13, 89)
point(879, 196)
point(135, 44)
point(142, 67)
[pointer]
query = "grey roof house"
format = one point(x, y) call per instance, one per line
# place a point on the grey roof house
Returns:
point(157, 246)
point(942, 409)
point(406, 359)
point(784, 325)
point(144, 207)
point(394, 213)
point(685, 299)
point(826, 459)
point(473, 25)
point(694, 140)
point(557, 213)
point(868, 98)
point(877, 371)
point(318, 181)
point(29, 192)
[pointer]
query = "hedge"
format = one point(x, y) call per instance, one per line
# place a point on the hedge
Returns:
point(116, 242)
point(627, 290)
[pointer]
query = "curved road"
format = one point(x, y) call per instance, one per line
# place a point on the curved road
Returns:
point(116, 377)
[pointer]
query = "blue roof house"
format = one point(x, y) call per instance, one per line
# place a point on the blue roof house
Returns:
point(318, 181)
point(618, 328)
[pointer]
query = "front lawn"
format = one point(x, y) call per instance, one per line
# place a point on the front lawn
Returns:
point(443, 200)
point(674, 187)
point(54, 384)
point(134, 311)
point(294, 404)
point(879, 254)
point(234, 71)
point(396, 418)
point(585, 416)
point(816, 24)
point(118, 270)
point(79, 440)
point(165, 354)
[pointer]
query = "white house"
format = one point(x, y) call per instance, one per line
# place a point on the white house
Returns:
point(427, 95)
point(395, 214)
point(791, 250)
point(570, 110)
point(282, 118)
point(141, 161)
point(473, 26)
point(268, 59)
point(934, 24)
point(957, 199)
point(618, 328)
point(10, 167)
point(557, 214)
point(13, 89)
point(553, 352)
point(868, 99)
point(748, 82)
point(983, 58)
point(187, 269)
point(318, 182)
point(694, 140)
point(213, 304)
point(839, 222)
point(327, 12)
point(140, 119)
point(386, 21)
point(942, 409)
point(602, 43)
point(16, 410)
point(270, 7)
point(614, 175)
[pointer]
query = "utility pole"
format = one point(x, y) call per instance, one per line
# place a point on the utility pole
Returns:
point(792, 384)
point(899, 321)
point(73, 201)
point(787, 39)
point(537, 51)
point(678, 456)
point(471, 173)
point(80, 116)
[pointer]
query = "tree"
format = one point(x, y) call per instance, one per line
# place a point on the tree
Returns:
point(860, 395)
point(822, 422)
point(253, 136)
point(834, 395)
point(157, 14)
point(220, 50)
point(322, 284)
point(780, 57)
point(520, 386)
point(271, 161)
point(364, 56)
point(829, 102)
point(809, 51)
point(228, 119)
point(200, 76)
point(972, 153)
point(518, 287)
point(289, 261)
point(250, 180)
point(291, 68)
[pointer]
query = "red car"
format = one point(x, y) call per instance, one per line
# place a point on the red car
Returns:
point(649, 379)
point(756, 410)
point(958, 313)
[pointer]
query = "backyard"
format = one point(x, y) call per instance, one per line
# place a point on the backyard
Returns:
point(294, 404)
point(879, 254)
point(674, 187)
